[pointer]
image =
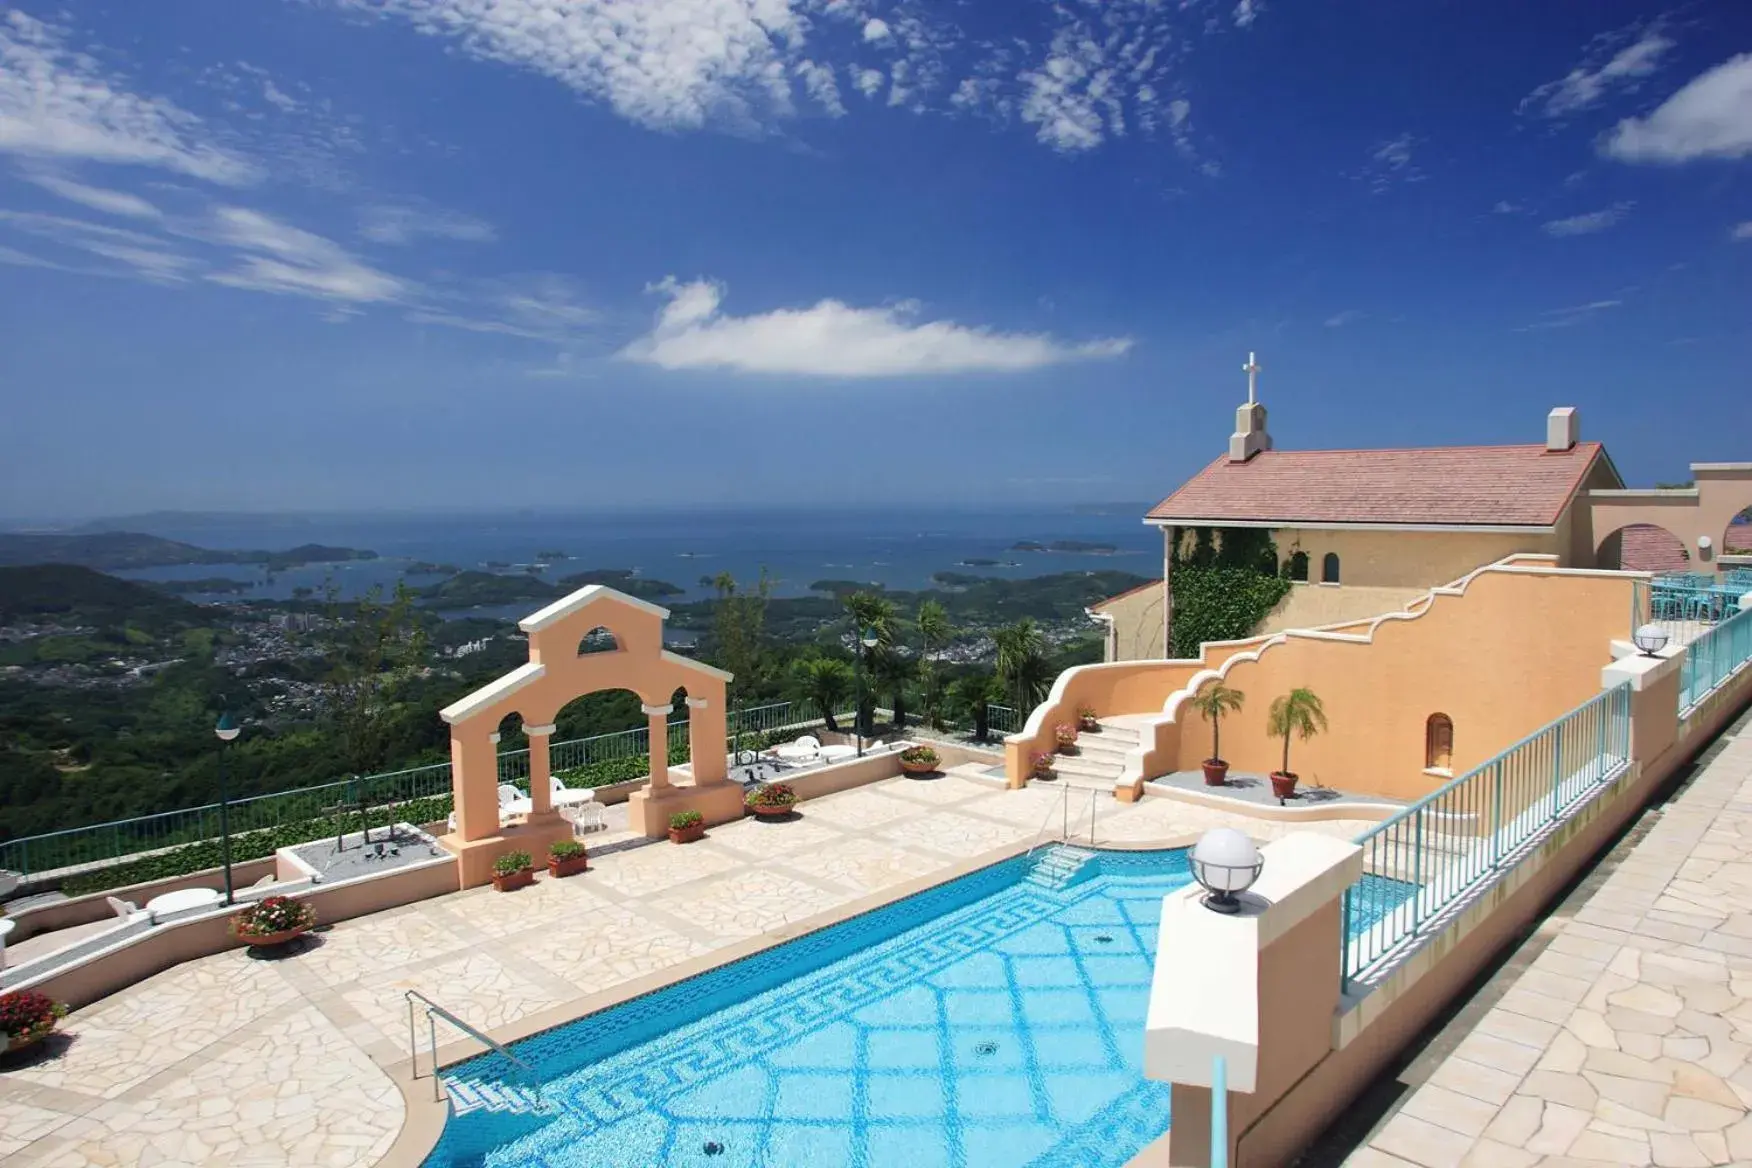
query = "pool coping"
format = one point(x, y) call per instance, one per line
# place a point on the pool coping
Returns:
point(423, 1118)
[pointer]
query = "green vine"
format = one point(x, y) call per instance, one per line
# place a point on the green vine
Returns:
point(1220, 604)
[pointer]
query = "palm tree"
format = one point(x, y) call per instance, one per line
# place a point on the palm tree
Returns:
point(1298, 712)
point(869, 613)
point(1212, 702)
point(894, 673)
point(973, 694)
point(825, 681)
point(1022, 664)
point(935, 631)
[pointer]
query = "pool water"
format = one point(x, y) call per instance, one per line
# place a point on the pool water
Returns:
point(994, 1020)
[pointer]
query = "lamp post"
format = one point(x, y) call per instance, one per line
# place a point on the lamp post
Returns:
point(868, 639)
point(225, 731)
point(1224, 862)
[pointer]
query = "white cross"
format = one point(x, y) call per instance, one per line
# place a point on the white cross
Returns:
point(1252, 371)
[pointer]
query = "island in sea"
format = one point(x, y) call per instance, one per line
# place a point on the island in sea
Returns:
point(121, 550)
point(1072, 546)
point(984, 562)
point(484, 589)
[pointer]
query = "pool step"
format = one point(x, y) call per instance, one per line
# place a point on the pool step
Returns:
point(503, 1098)
point(1056, 867)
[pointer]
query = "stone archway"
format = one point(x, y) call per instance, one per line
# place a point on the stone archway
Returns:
point(595, 639)
point(1642, 547)
point(1697, 515)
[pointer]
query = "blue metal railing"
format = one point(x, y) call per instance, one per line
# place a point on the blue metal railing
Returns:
point(1219, 1112)
point(103, 842)
point(1713, 658)
point(1436, 851)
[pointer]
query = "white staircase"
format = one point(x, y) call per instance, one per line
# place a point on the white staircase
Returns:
point(1100, 757)
point(503, 1098)
point(1057, 866)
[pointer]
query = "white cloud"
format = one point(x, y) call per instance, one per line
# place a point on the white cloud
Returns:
point(1741, 232)
point(869, 81)
point(95, 198)
point(1504, 207)
point(1589, 223)
point(1613, 63)
point(536, 307)
point(876, 29)
point(404, 223)
point(1711, 117)
point(277, 257)
point(1348, 316)
point(278, 98)
point(1246, 12)
point(819, 81)
point(58, 103)
point(1390, 163)
point(833, 339)
point(130, 253)
point(1557, 318)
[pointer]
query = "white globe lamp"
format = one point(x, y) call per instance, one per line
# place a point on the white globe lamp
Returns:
point(1650, 638)
point(1225, 862)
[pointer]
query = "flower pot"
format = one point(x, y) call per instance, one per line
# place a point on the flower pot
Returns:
point(263, 940)
point(1045, 776)
point(571, 865)
point(514, 881)
point(917, 768)
point(18, 1042)
point(1067, 747)
point(1283, 786)
point(687, 835)
point(1216, 772)
point(1087, 725)
point(762, 812)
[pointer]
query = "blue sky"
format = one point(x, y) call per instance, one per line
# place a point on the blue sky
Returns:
point(487, 253)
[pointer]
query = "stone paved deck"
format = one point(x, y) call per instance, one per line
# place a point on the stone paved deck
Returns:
point(230, 1060)
point(1626, 1039)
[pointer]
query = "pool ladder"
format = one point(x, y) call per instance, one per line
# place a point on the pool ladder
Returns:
point(470, 1095)
point(1065, 822)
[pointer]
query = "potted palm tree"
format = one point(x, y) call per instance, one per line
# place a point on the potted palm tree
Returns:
point(1212, 702)
point(1298, 712)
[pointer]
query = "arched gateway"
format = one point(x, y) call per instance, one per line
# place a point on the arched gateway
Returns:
point(569, 656)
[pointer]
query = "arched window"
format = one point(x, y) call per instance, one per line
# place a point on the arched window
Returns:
point(1439, 743)
point(1298, 567)
point(1329, 568)
point(598, 640)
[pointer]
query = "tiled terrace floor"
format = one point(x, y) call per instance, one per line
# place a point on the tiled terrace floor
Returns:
point(1628, 1039)
point(239, 1062)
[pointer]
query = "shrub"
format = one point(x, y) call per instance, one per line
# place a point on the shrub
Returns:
point(682, 820)
point(511, 863)
point(771, 795)
point(920, 756)
point(565, 850)
point(26, 1014)
point(1220, 604)
point(274, 914)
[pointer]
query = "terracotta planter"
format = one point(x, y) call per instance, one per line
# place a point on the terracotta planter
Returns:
point(567, 867)
point(264, 940)
point(772, 812)
point(918, 768)
point(1067, 747)
point(1088, 725)
point(1283, 786)
point(1046, 775)
point(687, 835)
point(514, 881)
point(26, 1041)
point(1216, 772)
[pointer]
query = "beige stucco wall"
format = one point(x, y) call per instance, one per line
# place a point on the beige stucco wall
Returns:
point(1137, 625)
point(1313, 606)
point(1412, 559)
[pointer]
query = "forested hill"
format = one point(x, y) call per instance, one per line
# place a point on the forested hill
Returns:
point(76, 595)
point(128, 549)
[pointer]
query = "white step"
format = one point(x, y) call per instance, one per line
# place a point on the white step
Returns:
point(503, 1098)
point(1089, 746)
point(1094, 767)
point(1058, 866)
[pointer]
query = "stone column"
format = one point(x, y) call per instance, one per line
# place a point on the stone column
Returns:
point(474, 783)
point(707, 732)
point(659, 723)
point(540, 785)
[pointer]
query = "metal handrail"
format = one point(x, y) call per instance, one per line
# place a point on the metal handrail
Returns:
point(433, 1009)
point(1064, 831)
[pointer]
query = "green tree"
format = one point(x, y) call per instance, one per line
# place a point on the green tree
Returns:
point(1022, 664)
point(893, 673)
point(824, 682)
point(1298, 712)
point(872, 613)
point(372, 647)
point(935, 631)
point(972, 695)
point(1213, 702)
point(738, 629)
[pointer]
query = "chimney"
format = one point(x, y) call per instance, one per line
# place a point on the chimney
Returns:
point(1563, 428)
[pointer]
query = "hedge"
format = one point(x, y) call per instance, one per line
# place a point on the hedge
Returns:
point(1220, 604)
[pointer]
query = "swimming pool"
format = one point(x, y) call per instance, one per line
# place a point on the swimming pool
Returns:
point(994, 1020)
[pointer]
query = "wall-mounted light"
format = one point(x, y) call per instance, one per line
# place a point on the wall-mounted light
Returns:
point(1224, 862)
point(1650, 638)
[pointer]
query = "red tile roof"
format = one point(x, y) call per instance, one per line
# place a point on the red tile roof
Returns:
point(1495, 486)
point(1646, 548)
point(1127, 592)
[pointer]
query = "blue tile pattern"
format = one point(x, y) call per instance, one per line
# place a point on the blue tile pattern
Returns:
point(987, 1021)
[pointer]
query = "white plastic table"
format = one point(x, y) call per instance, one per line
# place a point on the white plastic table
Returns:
point(572, 795)
point(184, 898)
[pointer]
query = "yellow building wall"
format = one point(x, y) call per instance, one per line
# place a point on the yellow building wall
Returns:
point(1413, 559)
point(1137, 625)
point(1313, 606)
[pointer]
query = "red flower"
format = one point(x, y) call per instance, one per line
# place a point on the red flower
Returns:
point(25, 1013)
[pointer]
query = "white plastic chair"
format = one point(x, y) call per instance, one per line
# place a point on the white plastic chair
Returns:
point(508, 794)
point(562, 794)
point(805, 749)
point(128, 911)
